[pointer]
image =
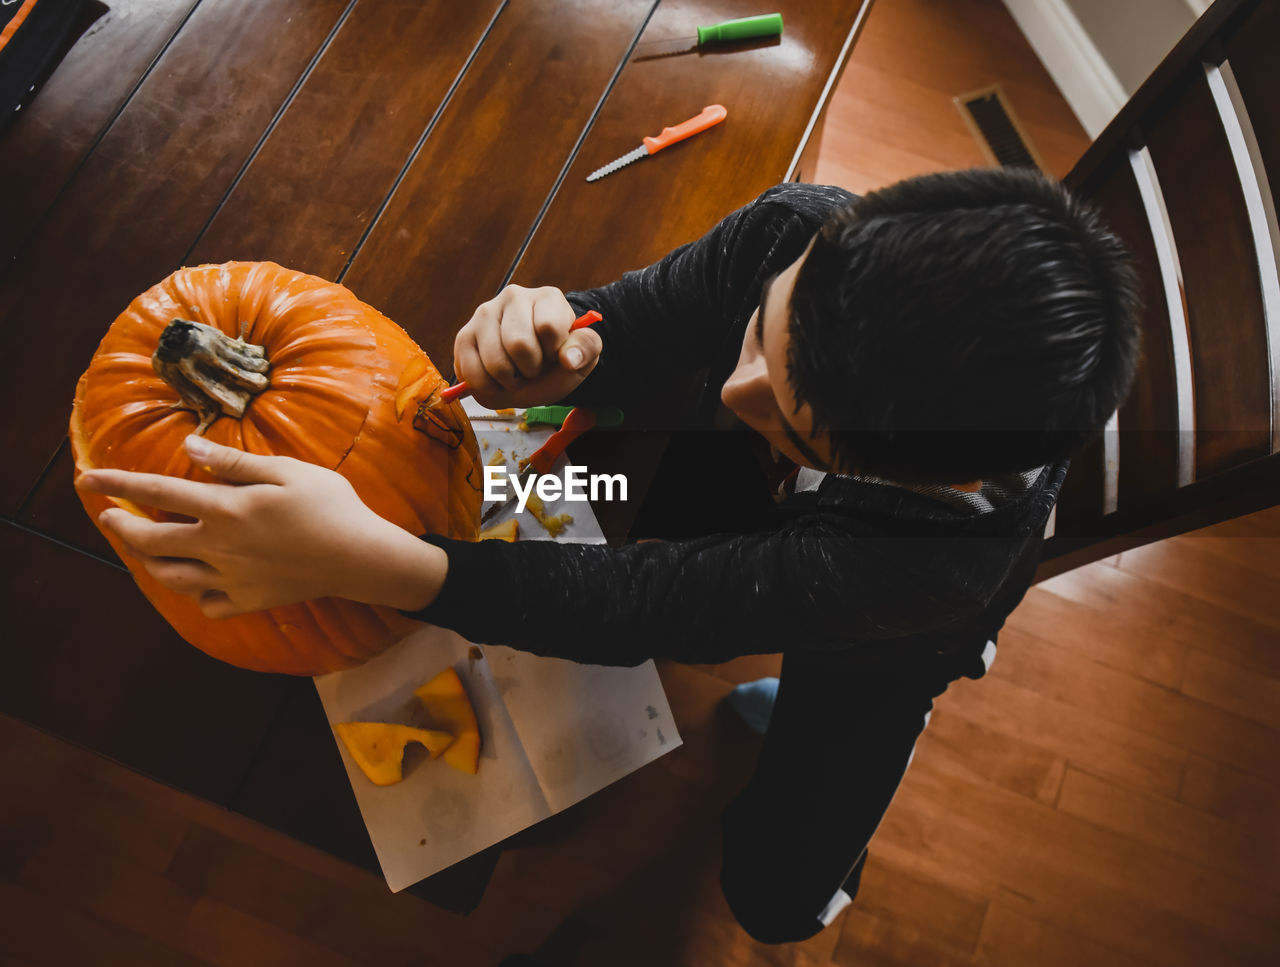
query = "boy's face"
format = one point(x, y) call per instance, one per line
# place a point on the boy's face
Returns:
point(757, 390)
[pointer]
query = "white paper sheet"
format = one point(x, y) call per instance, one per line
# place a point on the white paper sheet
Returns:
point(552, 732)
point(505, 435)
point(437, 816)
point(582, 727)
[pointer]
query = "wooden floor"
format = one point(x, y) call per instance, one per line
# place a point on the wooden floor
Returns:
point(1108, 795)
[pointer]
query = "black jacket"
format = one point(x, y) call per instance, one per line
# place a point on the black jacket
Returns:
point(852, 565)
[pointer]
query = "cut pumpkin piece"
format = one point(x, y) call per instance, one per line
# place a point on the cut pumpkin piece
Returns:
point(418, 372)
point(378, 747)
point(508, 530)
point(446, 702)
point(554, 525)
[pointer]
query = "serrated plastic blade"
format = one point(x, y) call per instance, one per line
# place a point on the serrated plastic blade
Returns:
point(654, 49)
point(626, 159)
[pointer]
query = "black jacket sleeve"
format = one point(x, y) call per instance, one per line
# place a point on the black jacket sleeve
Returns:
point(665, 323)
point(812, 585)
point(815, 583)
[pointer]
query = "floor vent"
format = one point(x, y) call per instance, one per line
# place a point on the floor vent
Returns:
point(996, 128)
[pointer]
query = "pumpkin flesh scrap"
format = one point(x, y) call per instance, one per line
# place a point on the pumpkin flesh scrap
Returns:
point(507, 531)
point(378, 747)
point(448, 706)
point(553, 523)
point(417, 375)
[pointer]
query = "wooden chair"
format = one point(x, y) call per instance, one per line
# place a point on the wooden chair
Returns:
point(1184, 175)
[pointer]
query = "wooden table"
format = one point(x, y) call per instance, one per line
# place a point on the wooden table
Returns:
point(422, 153)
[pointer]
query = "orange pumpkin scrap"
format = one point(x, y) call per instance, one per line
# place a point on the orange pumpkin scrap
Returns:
point(378, 747)
point(553, 523)
point(449, 708)
point(508, 531)
point(273, 361)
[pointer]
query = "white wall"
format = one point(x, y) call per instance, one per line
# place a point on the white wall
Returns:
point(1134, 35)
point(1100, 51)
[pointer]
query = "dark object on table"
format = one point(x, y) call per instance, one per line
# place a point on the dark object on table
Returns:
point(34, 35)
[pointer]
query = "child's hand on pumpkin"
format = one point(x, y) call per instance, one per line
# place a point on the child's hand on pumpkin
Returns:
point(517, 349)
point(279, 531)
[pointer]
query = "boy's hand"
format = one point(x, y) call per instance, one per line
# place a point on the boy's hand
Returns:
point(517, 350)
point(280, 531)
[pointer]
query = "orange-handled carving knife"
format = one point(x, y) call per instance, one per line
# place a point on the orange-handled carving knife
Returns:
point(711, 115)
point(463, 388)
point(579, 421)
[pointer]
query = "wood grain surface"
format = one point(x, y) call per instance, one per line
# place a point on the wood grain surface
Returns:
point(457, 221)
point(133, 209)
point(57, 130)
point(90, 660)
point(409, 150)
point(314, 188)
point(636, 215)
point(1219, 263)
point(1090, 802)
point(54, 510)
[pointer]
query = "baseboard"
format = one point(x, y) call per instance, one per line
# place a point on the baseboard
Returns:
point(1084, 78)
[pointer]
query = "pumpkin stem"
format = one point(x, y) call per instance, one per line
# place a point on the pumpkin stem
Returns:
point(213, 373)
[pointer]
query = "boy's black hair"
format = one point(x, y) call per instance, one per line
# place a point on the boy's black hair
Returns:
point(955, 326)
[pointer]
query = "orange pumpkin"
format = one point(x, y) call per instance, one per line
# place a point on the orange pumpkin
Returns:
point(314, 374)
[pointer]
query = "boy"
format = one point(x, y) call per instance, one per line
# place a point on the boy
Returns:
point(928, 356)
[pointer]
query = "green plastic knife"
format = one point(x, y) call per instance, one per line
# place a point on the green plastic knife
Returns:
point(725, 32)
point(556, 415)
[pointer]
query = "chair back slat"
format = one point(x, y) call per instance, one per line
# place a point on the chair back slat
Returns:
point(1185, 175)
point(1149, 419)
point(1251, 74)
point(1201, 187)
point(1251, 52)
point(1080, 502)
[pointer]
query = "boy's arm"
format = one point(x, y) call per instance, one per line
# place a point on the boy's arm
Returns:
point(282, 530)
point(665, 323)
point(662, 324)
point(807, 586)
